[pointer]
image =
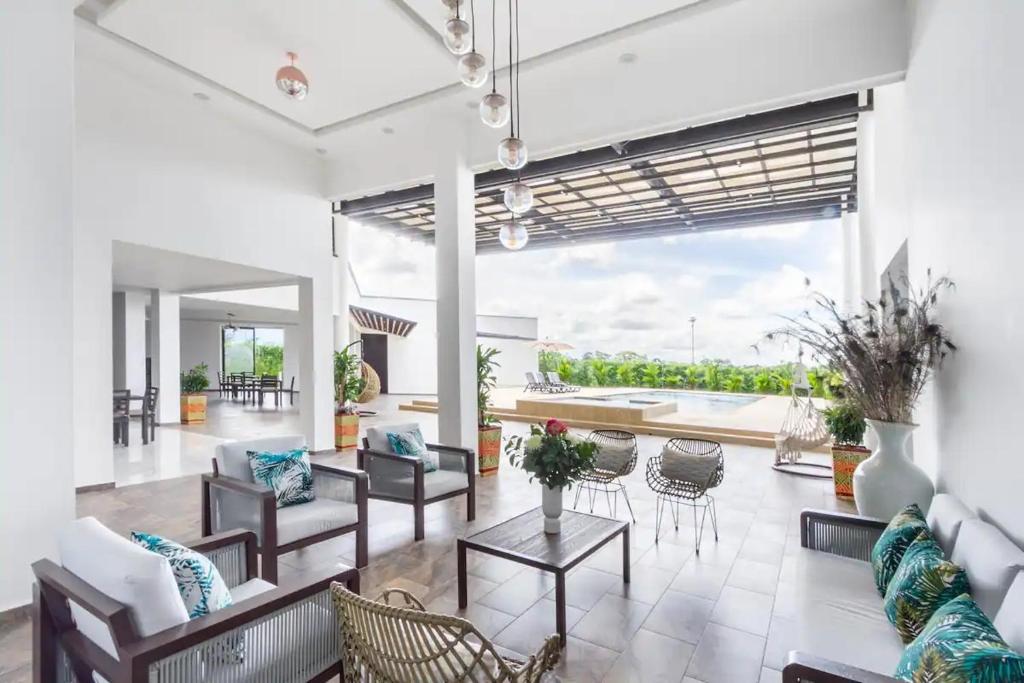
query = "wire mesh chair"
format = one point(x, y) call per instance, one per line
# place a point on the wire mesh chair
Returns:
point(608, 474)
point(688, 489)
point(403, 643)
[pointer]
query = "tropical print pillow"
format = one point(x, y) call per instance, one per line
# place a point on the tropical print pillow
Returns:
point(201, 586)
point(924, 582)
point(894, 541)
point(412, 444)
point(288, 473)
point(960, 645)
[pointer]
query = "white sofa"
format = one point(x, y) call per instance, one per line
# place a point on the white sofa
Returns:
point(829, 625)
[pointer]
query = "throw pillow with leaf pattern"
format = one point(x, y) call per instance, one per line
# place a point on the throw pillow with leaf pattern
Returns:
point(202, 588)
point(289, 474)
point(412, 444)
point(924, 582)
point(960, 645)
point(894, 541)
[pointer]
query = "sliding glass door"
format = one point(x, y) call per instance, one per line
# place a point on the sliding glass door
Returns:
point(238, 349)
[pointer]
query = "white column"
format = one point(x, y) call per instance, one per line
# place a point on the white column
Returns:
point(851, 257)
point(316, 360)
point(165, 352)
point(37, 496)
point(341, 293)
point(129, 342)
point(292, 349)
point(456, 293)
point(869, 287)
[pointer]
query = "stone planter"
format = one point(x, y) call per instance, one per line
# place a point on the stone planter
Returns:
point(346, 431)
point(888, 481)
point(489, 450)
point(193, 408)
point(551, 505)
point(845, 460)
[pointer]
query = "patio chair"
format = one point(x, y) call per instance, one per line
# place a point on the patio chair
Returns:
point(683, 474)
point(148, 414)
point(383, 642)
point(290, 391)
point(112, 611)
point(402, 479)
point(269, 384)
point(231, 499)
point(532, 383)
point(616, 459)
point(558, 385)
point(122, 415)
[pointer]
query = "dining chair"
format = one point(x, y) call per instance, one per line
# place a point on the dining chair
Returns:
point(122, 415)
point(290, 391)
point(148, 414)
point(269, 384)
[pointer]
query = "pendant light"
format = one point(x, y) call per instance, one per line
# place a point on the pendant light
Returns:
point(457, 32)
point(518, 197)
point(494, 110)
point(472, 65)
point(290, 79)
point(513, 235)
point(512, 153)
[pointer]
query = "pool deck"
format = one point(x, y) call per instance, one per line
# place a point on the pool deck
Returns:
point(754, 424)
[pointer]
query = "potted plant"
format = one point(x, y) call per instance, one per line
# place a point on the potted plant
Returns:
point(845, 422)
point(193, 400)
point(348, 385)
point(886, 355)
point(488, 426)
point(556, 459)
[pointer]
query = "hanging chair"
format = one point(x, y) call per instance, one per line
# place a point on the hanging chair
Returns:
point(803, 429)
point(371, 389)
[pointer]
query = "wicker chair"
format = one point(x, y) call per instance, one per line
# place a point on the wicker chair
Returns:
point(688, 489)
point(607, 476)
point(403, 643)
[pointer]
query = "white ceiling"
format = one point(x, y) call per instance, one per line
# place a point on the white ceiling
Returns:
point(193, 308)
point(139, 267)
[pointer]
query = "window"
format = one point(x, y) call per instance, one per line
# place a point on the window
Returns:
point(255, 350)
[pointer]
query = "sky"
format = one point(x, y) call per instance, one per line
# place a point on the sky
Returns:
point(636, 295)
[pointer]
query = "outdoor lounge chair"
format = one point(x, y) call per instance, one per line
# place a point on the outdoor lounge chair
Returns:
point(615, 460)
point(112, 611)
point(556, 383)
point(533, 383)
point(403, 643)
point(402, 479)
point(233, 500)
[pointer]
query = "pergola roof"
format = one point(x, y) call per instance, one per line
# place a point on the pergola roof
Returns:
point(381, 322)
point(787, 165)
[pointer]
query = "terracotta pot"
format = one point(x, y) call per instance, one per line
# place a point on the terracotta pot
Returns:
point(346, 430)
point(488, 450)
point(844, 461)
point(193, 408)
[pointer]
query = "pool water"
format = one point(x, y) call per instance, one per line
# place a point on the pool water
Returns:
point(686, 401)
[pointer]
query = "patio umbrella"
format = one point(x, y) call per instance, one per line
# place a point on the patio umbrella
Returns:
point(549, 345)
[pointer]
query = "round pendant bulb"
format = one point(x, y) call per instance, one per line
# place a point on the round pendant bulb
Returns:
point(456, 36)
point(512, 153)
point(473, 69)
point(513, 235)
point(518, 198)
point(452, 5)
point(494, 109)
point(291, 81)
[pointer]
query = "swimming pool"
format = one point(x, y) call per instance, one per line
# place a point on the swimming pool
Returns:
point(693, 402)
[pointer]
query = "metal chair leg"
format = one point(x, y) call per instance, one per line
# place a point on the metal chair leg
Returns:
point(608, 497)
point(657, 518)
point(714, 517)
point(575, 501)
point(675, 512)
point(628, 505)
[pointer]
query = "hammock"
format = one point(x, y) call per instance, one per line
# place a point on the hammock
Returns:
point(802, 429)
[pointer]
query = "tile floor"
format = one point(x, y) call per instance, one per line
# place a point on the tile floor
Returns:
point(684, 617)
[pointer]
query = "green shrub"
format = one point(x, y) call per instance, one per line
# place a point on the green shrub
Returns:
point(846, 423)
point(195, 381)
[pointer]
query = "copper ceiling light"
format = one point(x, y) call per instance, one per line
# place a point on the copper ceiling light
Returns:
point(291, 81)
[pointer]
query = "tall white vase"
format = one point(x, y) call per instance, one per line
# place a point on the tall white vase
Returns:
point(551, 505)
point(888, 481)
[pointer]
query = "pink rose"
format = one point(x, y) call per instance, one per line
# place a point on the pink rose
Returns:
point(555, 428)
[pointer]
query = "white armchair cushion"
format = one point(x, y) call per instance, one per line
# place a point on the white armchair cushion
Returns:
point(233, 458)
point(991, 560)
point(945, 515)
point(250, 589)
point(296, 522)
point(1009, 619)
point(377, 437)
point(134, 576)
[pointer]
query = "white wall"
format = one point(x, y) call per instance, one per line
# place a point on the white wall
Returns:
point(36, 341)
point(960, 125)
point(200, 343)
point(155, 167)
point(516, 358)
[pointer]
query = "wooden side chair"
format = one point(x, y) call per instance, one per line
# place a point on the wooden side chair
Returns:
point(122, 415)
point(382, 642)
point(268, 384)
point(232, 499)
point(290, 391)
point(148, 414)
point(402, 479)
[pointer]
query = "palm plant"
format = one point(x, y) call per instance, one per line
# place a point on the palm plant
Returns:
point(602, 372)
point(485, 382)
point(348, 377)
point(650, 375)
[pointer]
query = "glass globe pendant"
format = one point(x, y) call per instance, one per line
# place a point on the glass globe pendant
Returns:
point(290, 79)
point(513, 235)
point(518, 197)
point(512, 153)
point(456, 36)
point(452, 5)
point(494, 109)
point(473, 69)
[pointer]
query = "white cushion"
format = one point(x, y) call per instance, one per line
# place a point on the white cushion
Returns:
point(944, 518)
point(377, 437)
point(991, 561)
point(296, 522)
point(434, 484)
point(1009, 619)
point(695, 469)
point(250, 589)
point(134, 576)
point(613, 457)
point(233, 458)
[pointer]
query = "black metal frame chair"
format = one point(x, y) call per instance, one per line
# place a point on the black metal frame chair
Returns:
point(269, 384)
point(122, 415)
point(148, 414)
point(609, 481)
point(692, 493)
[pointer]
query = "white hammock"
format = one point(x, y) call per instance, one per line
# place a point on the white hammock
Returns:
point(803, 428)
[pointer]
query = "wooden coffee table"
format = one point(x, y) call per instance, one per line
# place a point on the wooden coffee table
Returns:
point(522, 539)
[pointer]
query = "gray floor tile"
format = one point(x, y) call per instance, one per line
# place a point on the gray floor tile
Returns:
point(527, 632)
point(584, 662)
point(725, 655)
point(680, 616)
point(612, 622)
point(744, 610)
point(585, 586)
point(701, 579)
point(517, 594)
point(651, 658)
point(760, 577)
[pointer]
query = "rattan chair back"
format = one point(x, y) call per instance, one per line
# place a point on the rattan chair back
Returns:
point(680, 488)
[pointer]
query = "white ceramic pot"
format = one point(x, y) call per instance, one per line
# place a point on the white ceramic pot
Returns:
point(551, 504)
point(888, 481)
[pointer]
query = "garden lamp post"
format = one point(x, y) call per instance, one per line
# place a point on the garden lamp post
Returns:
point(693, 358)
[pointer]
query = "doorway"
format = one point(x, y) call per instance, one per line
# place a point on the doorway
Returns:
point(375, 354)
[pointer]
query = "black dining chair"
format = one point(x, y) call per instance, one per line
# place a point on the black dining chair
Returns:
point(148, 414)
point(290, 391)
point(269, 384)
point(122, 415)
